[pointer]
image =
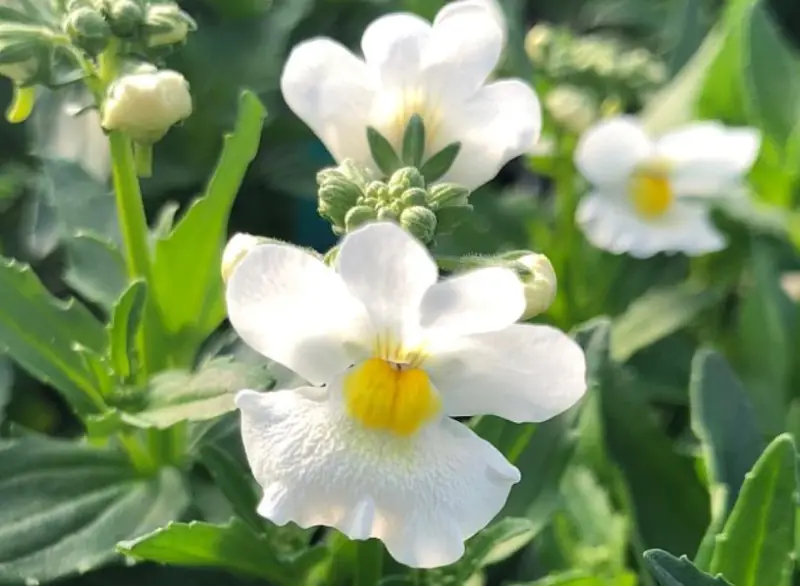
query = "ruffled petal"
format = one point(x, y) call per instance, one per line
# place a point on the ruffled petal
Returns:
point(290, 307)
point(480, 301)
point(331, 90)
point(388, 271)
point(522, 373)
point(393, 47)
point(422, 496)
point(608, 152)
point(503, 120)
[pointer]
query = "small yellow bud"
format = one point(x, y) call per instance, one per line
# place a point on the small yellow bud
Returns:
point(146, 105)
point(573, 108)
point(236, 249)
point(540, 282)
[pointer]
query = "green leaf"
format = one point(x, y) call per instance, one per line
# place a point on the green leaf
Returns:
point(672, 571)
point(95, 268)
point(42, 333)
point(440, 163)
point(724, 421)
point(757, 543)
point(382, 152)
point(178, 395)
point(235, 483)
point(125, 320)
point(414, 141)
point(495, 543)
point(581, 578)
point(657, 314)
point(66, 505)
point(233, 547)
point(6, 383)
point(186, 264)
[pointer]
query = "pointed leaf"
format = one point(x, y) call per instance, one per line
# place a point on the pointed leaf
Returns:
point(125, 320)
point(382, 152)
point(672, 571)
point(757, 543)
point(440, 163)
point(235, 483)
point(414, 141)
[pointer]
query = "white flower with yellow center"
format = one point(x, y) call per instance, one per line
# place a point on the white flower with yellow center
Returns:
point(654, 196)
point(409, 67)
point(374, 452)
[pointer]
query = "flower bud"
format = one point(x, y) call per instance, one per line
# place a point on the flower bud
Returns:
point(387, 213)
point(537, 274)
point(357, 216)
point(406, 178)
point(167, 24)
point(236, 249)
point(420, 222)
point(146, 105)
point(337, 194)
point(538, 42)
point(88, 29)
point(377, 191)
point(445, 195)
point(572, 108)
point(416, 196)
point(125, 16)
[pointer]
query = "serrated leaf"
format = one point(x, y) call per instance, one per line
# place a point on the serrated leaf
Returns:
point(233, 547)
point(177, 395)
point(66, 505)
point(125, 320)
point(757, 543)
point(186, 263)
point(724, 421)
point(656, 314)
point(235, 483)
point(672, 571)
point(440, 163)
point(95, 268)
point(41, 333)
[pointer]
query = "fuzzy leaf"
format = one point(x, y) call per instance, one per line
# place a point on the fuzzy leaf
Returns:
point(672, 571)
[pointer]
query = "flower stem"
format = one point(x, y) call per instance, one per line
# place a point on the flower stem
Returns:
point(21, 105)
point(369, 563)
point(143, 153)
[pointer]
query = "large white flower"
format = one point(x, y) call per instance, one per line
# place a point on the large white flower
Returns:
point(374, 452)
point(654, 196)
point(411, 67)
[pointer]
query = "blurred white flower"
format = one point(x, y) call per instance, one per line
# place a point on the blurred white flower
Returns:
point(541, 284)
point(374, 452)
point(652, 196)
point(146, 104)
point(437, 71)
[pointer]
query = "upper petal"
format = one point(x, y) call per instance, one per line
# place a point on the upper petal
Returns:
point(463, 49)
point(389, 271)
point(330, 89)
point(393, 46)
point(503, 120)
point(608, 152)
point(422, 496)
point(522, 373)
point(479, 301)
point(289, 306)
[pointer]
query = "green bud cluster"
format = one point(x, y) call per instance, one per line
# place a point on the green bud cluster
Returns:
point(595, 63)
point(350, 196)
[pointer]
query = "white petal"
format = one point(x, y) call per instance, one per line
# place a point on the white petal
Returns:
point(290, 307)
point(503, 120)
point(480, 301)
point(330, 89)
point(393, 46)
point(608, 152)
point(463, 49)
point(609, 224)
point(388, 271)
point(522, 373)
point(494, 8)
point(422, 496)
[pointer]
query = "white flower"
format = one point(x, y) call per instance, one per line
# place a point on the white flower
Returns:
point(540, 283)
point(375, 453)
point(411, 67)
point(146, 104)
point(654, 196)
point(236, 249)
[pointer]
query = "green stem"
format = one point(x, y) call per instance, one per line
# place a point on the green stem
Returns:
point(143, 153)
point(139, 456)
point(21, 105)
point(567, 204)
point(369, 563)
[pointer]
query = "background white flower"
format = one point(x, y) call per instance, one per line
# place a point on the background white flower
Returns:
point(654, 196)
point(374, 453)
point(412, 67)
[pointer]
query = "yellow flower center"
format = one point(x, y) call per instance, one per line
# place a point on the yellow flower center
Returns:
point(393, 110)
point(392, 397)
point(650, 191)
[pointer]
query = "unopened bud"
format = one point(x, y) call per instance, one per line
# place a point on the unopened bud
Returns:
point(537, 274)
point(572, 108)
point(146, 105)
point(337, 194)
point(538, 42)
point(406, 178)
point(377, 191)
point(125, 16)
point(416, 196)
point(387, 213)
point(167, 24)
point(88, 29)
point(445, 195)
point(420, 222)
point(236, 249)
point(357, 216)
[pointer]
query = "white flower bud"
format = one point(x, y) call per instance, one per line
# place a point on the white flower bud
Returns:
point(540, 282)
point(236, 249)
point(146, 105)
point(572, 107)
point(168, 24)
point(790, 283)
